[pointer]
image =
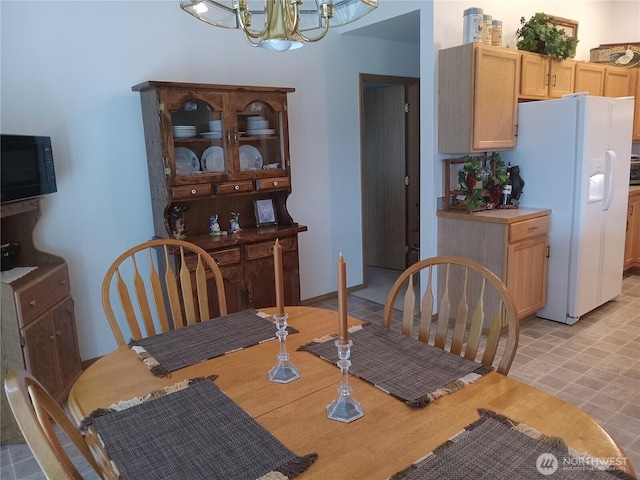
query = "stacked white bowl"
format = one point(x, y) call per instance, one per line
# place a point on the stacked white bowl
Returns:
point(257, 125)
point(215, 126)
point(184, 131)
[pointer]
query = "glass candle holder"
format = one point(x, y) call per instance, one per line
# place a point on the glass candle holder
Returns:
point(344, 408)
point(283, 371)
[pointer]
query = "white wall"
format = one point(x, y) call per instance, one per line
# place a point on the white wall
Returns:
point(67, 67)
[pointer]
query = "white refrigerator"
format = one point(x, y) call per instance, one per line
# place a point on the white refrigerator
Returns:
point(574, 157)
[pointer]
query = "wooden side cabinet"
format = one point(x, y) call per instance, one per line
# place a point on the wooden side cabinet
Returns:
point(513, 244)
point(632, 243)
point(542, 77)
point(478, 98)
point(38, 329)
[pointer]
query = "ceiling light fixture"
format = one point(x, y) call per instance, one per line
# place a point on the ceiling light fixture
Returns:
point(280, 23)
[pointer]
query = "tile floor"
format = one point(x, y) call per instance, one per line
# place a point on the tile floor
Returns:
point(594, 365)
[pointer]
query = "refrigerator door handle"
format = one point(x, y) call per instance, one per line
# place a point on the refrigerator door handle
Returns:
point(610, 175)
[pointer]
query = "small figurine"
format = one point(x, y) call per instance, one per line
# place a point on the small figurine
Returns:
point(176, 221)
point(235, 222)
point(517, 184)
point(214, 227)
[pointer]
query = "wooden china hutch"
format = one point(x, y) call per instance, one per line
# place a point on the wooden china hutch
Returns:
point(221, 150)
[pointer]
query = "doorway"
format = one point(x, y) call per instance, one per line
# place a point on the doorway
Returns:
point(390, 173)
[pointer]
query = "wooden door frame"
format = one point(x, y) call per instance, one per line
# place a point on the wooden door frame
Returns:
point(412, 159)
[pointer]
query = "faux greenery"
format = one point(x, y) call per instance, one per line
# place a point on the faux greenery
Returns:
point(540, 34)
point(478, 194)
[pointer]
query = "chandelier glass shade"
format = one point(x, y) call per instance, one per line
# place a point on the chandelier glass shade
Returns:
point(279, 24)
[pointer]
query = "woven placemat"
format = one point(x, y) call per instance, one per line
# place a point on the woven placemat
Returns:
point(202, 341)
point(412, 371)
point(191, 431)
point(498, 448)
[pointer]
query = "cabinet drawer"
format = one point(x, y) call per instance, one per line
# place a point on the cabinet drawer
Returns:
point(528, 228)
point(273, 184)
point(40, 296)
point(191, 191)
point(221, 257)
point(235, 187)
point(265, 249)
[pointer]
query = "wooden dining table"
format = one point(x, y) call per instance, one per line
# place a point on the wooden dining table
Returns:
point(389, 437)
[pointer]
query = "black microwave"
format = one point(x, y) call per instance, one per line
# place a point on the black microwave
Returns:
point(26, 167)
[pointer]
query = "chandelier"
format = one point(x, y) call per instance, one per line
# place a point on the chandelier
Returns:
point(279, 24)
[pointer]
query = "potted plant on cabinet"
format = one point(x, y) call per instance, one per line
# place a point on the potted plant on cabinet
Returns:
point(540, 34)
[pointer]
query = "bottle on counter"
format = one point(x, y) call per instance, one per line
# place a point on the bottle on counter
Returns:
point(507, 188)
point(496, 33)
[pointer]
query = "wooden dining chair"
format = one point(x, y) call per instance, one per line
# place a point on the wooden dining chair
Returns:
point(175, 293)
point(35, 410)
point(483, 318)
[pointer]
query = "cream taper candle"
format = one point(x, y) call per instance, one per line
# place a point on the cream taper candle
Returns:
point(277, 267)
point(342, 301)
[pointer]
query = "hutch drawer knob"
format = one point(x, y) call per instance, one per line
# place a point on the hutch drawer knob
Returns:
point(63, 282)
point(270, 250)
point(32, 303)
point(193, 191)
point(52, 337)
point(237, 187)
point(58, 332)
point(275, 184)
point(217, 260)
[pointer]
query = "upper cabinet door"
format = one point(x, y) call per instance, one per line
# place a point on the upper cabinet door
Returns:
point(496, 99)
point(477, 98)
point(589, 78)
point(562, 77)
point(616, 82)
point(534, 77)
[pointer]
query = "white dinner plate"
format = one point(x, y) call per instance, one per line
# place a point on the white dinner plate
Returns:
point(213, 160)
point(187, 162)
point(250, 158)
point(211, 134)
point(261, 131)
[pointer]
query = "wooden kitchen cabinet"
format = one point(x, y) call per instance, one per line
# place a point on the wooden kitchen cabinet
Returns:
point(634, 91)
point(237, 154)
point(542, 77)
point(477, 98)
point(590, 78)
point(512, 243)
point(632, 242)
point(38, 329)
point(616, 81)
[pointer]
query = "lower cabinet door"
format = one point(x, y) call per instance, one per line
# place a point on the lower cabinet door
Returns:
point(40, 353)
point(260, 281)
point(527, 274)
point(64, 325)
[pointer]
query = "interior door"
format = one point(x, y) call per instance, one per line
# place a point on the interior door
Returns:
point(384, 172)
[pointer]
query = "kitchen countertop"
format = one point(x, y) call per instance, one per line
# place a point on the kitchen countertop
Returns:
point(498, 215)
point(634, 189)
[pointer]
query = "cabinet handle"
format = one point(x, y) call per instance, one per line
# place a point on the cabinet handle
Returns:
point(235, 136)
point(32, 303)
point(217, 260)
point(228, 136)
point(531, 229)
point(58, 333)
point(63, 282)
point(236, 187)
point(193, 191)
point(270, 250)
point(52, 337)
point(547, 80)
point(555, 76)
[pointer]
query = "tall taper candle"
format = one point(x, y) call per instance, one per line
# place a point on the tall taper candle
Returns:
point(342, 301)
point(277, 267)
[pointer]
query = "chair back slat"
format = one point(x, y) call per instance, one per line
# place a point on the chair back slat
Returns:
point(127, 307)
point(34, 410)
point(409, 307)
point(158, 297)
point(444, 307)
point(143, 300)
point(475, 329)
point(471, 287)
point(493, 337)
point(172, 291)
point(426, 310)
point(201, 285)
point(178, 285)
point(187, 290)
point(461, 318)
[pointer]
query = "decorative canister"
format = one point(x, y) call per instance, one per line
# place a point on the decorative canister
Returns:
point(472, 28)
point(486, 29)
point(496, 33)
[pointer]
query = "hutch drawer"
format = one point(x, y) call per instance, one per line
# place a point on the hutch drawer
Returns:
point(236, 187)
point(37, 298)
point(265, 249)
point(191, 191)
point(273, 184)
